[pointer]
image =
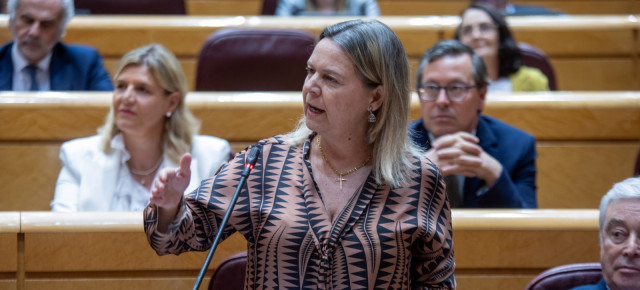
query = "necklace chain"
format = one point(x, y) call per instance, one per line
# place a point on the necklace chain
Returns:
point(340, 174)
point(148, 171)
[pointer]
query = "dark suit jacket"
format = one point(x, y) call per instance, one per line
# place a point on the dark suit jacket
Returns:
point(600, 286)
point(514, 149)
point(73, 68)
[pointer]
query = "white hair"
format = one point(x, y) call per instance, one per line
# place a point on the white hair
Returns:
point(68, 10)
point(628, 188)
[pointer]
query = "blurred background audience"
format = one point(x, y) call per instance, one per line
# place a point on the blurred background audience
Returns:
point(486, 162)
point(485, 30)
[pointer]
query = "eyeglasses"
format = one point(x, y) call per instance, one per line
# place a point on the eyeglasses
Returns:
point(455, 93)
point(484, 28)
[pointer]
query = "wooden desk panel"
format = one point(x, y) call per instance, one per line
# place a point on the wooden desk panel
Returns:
point(106, 251)
point(9, 229)
point(250, 116)
point(597, 74)
point(574, 43)
point(567, 171)
point(581, 136)
point(425, 7)
point(222, 7)
point(494, 249)
point(505, 249)
point(29, 177)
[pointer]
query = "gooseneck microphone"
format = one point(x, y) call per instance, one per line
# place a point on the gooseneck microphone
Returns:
point(251, 161)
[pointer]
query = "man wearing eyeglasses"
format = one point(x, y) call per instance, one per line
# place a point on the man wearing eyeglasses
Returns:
point(486, 162)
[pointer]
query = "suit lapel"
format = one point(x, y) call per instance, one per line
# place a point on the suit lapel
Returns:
point(6, 75)
point(61, 74)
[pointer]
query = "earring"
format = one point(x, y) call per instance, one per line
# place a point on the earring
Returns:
point(168, 114)
point(372, 117)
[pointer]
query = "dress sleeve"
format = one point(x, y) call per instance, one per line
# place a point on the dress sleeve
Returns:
point(200, 214)
point(433, 264)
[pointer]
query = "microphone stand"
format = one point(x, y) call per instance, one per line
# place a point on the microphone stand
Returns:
point(251, 161)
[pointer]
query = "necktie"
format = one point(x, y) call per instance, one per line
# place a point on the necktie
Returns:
point(32, 69)
point(453, 190)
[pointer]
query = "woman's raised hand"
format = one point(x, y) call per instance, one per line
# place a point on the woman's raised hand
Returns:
point(171, 184)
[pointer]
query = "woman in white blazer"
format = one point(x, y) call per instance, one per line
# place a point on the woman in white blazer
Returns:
point(148, 128)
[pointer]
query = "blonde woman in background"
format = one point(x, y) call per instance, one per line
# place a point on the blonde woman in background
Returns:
point(148, 128)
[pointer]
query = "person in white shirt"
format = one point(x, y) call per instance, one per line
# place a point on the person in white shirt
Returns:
point(148, 128)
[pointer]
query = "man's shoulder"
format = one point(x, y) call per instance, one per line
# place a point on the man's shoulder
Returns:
point(5, 50)
point(499, 126)
point(75, 50)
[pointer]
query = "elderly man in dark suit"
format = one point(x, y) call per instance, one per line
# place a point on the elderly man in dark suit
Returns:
point(36, 60)
point(619, 237)
point(486, 163)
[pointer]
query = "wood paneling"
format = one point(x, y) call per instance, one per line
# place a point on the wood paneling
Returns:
point(567, 171)
point(586, 141)
point(9, 229)
point(495, 249)
point(218, 7)
point(589, 52)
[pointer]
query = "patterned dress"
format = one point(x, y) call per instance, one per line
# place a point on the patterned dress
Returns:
point(384, 238)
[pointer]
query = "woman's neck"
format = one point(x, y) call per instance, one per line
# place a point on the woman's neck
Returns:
point(344, 152)
point(145, 151)
point(493, 66)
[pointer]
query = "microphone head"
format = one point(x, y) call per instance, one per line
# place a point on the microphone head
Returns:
point(253, 155)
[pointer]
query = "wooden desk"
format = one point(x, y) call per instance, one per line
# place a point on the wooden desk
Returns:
point(9, 229)
point(105, 251)
point(494, 249)
point(505, 249)
point(588, 52)
point(586, 141)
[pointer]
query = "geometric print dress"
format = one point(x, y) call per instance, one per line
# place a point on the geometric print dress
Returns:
point(384, 238)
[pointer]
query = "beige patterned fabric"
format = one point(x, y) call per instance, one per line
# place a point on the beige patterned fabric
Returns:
point(384, 238)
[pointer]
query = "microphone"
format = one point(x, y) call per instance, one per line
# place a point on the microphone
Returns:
point(251, 161)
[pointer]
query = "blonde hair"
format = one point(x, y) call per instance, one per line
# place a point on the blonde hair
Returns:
point(180, 128)
point(380, 59)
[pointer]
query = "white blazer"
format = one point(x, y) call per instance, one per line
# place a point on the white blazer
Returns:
point(87, 180)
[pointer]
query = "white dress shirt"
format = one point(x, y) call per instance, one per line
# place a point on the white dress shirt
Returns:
point(21, 78)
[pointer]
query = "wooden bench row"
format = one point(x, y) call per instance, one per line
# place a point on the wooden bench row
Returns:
point(424, 7)
point(587, 52)
point(494, 249)
point(586, 141)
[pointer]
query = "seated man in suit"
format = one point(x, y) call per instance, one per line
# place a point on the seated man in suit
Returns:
point(517, 10)
point(36, 60)
point(486, 163)
point(619, 237)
